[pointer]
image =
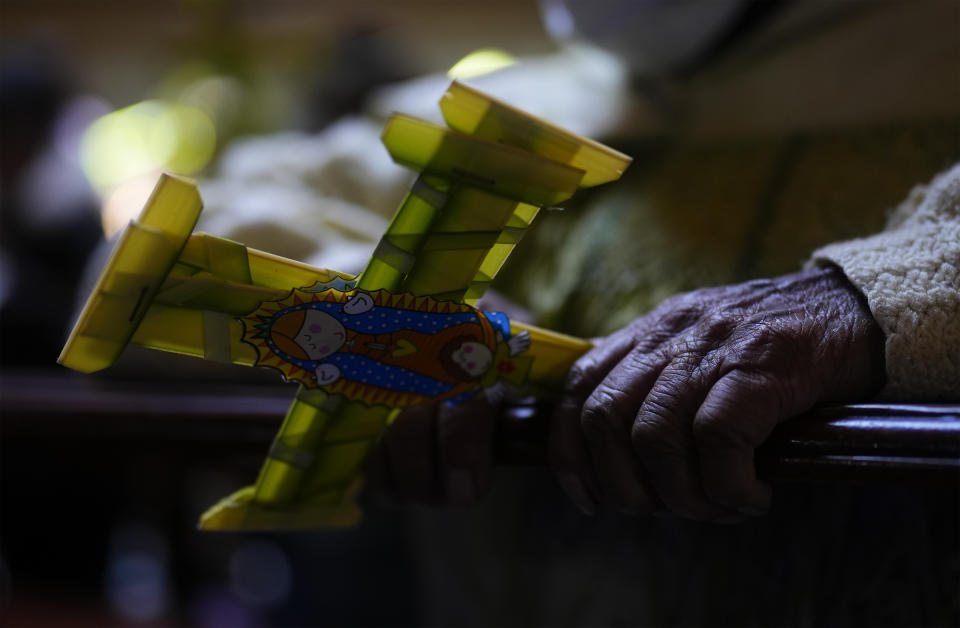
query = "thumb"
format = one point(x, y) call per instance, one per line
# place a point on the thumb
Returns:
point(738, 414)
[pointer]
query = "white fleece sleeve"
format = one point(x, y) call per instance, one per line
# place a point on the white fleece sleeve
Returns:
point(910, 275)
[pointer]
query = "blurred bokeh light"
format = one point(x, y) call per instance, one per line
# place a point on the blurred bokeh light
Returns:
point(480, 62)
point(123, 151)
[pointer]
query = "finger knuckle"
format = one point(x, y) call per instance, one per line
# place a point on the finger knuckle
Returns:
point(581, 378)
point(738, 396)
point(766, 344)
point(660, 426)
point(683, 354)
point(711, 429)
point(717, 327)
point(671, 394)
point(650, 431)
point(684, 315)
point(598, 415)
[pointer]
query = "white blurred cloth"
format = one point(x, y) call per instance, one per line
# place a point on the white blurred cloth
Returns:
point(325, 199)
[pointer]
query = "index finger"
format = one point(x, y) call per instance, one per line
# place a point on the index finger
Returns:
point(567, 447)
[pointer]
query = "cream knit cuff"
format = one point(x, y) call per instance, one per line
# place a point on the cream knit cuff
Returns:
point(910, 275)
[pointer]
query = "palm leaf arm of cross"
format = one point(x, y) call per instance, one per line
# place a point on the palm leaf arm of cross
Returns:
point(481, 185)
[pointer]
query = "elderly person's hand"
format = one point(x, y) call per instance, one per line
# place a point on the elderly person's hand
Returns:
point(665, 414)
point(440, 454)
point(435, 454)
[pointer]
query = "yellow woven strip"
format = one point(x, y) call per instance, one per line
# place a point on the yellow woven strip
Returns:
point(141, 260)
point(216, 336)
point(503, 170)
point(303, 429)
point(181, 330)
point(477, 114)
point(553, 354)
point(228, 259)
point(452, 271)
point(272, 271)
point(395, 255)
point(206, 292)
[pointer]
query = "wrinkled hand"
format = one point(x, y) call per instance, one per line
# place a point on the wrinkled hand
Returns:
point(665, 414)
point(436, 454)
point(442, 454)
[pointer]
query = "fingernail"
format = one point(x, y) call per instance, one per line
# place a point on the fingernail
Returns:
point(461, 487)
point(577, 491)
point(752, 511)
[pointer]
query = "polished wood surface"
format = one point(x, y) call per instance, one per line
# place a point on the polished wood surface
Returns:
point(862, 442)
